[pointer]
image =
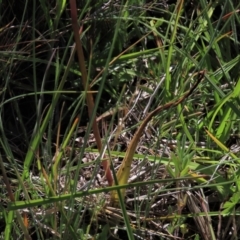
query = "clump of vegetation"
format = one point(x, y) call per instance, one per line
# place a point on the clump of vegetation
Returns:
point(119, 119)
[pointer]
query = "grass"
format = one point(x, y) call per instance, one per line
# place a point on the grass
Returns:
point(71, 107)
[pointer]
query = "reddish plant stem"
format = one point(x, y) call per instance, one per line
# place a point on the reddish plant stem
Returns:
point(89, 97)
